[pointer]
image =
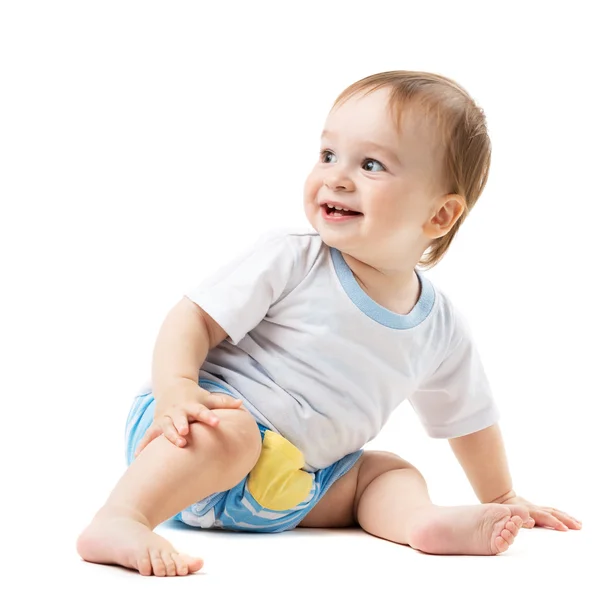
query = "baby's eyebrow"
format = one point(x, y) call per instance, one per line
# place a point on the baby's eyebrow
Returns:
point(381, 148)
point(367, 144)
point(385, 150)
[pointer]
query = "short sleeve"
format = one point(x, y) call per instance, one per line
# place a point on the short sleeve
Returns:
point(456, 399)
point(239, 294)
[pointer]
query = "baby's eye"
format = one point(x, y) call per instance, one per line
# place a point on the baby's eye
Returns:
point(327, 156)
point(370, 164)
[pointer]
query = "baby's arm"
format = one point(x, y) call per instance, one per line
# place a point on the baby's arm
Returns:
point(184, 339)
point(483, 459)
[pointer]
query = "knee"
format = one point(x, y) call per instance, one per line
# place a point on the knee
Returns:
point(235, 442)
point(241, 433)
point(376, 463)
point(386, 461)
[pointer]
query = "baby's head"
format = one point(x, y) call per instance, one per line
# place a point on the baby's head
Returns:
point(410, 152)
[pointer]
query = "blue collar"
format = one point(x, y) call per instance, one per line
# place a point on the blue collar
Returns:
point(377, 312)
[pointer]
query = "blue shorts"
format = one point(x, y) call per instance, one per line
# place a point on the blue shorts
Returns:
point(275, 496)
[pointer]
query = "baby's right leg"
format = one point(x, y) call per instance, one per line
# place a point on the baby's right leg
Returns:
point(162, 481)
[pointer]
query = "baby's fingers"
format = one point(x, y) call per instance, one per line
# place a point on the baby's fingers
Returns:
point(217, 400)
point(564, 518)
point(205, 415)
point(170, 432)
point(545, 519)
point(180, 422)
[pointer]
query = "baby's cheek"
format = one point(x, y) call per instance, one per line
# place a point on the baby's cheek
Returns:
point(311, 192)
point(311, 186)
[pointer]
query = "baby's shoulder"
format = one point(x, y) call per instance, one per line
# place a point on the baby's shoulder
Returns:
point(449, 315)
point(303, 243)
point(292, 234)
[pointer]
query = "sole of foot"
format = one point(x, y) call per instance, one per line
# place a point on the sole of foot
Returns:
point(487, 529)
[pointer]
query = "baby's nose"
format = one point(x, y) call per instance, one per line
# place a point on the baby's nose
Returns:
point(339, 182)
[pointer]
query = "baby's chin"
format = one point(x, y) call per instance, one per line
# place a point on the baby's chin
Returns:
point(339, 240)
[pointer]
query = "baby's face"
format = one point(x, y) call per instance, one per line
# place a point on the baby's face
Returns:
point(390, 178)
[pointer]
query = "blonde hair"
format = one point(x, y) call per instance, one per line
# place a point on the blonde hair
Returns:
point(461, 125)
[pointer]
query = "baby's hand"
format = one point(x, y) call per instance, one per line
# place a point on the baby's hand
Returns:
point(184, 403)
point(544, 516)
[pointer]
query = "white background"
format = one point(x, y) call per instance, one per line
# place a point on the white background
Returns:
point(144, 143)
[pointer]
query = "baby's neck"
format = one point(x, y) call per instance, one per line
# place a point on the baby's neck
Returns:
point(397, 290)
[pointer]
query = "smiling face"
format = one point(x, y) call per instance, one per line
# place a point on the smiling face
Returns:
point(391, 178)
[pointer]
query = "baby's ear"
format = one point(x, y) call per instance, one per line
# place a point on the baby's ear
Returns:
point(448, 212)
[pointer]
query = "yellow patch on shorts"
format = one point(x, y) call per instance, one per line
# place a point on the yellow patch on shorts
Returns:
point(277, 481)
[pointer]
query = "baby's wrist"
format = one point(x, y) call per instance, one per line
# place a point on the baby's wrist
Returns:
point(501, 499)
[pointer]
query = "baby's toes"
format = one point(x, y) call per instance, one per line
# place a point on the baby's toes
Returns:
point(158, 566)
point(169, 563)
point(501, 544)
point(512, 527)
point(507, 536)
point(193, 564)
point(521, 512)
point(144, 565)
point(180, 564)
point(508, 533)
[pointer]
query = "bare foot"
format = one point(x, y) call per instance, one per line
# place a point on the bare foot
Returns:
point(480, 529)
point(115, 539)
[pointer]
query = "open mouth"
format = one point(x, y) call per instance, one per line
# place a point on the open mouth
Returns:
point(332, 211)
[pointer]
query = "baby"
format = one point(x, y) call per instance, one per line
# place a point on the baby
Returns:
point(270, 376)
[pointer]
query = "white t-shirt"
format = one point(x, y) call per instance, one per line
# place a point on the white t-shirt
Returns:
point(318, 361)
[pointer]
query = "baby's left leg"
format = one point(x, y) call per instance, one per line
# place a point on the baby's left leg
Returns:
point(388, 498)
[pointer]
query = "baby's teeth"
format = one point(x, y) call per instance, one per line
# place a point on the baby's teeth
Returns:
point(337, 207)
